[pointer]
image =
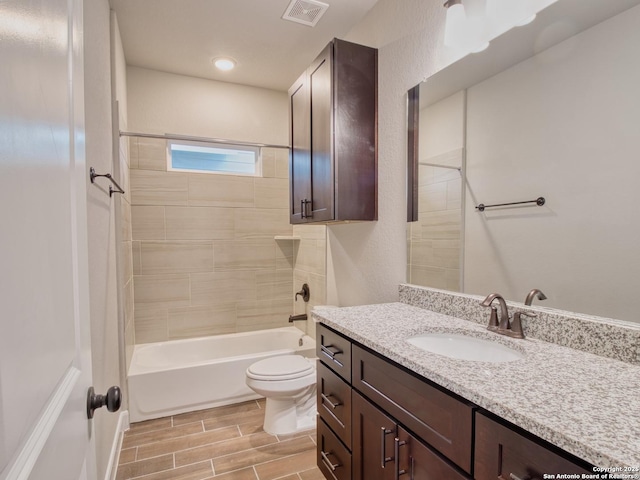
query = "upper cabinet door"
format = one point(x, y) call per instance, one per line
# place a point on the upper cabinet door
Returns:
point(340, 135)
point(300, 153)
point(321, 208)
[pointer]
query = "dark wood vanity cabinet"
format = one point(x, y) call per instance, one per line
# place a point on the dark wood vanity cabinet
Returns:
point(503, 453)
point(384, 450)
point(379, 421)
point(440, 419)
point(334, 403)
point(333, 134)
point(334, 459)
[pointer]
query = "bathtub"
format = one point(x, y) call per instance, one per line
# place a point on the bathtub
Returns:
point(179, 376)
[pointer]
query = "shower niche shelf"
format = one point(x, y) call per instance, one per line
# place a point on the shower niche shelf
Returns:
point(286, 237)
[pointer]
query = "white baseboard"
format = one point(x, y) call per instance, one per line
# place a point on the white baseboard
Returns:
point(123, 425)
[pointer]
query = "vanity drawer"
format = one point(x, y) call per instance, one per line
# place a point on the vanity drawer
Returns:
point(503, 453)
point(441, 420)
point(335, 351)
point(334, 403)
point(334, 460)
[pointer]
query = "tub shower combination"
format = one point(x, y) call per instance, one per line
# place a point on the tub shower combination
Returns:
point(168, 378)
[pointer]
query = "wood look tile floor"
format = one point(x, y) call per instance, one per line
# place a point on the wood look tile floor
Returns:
point(224, 443)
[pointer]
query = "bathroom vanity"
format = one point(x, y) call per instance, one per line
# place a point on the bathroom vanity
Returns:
point(389, 409)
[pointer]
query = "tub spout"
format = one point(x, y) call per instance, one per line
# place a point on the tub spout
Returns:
point(295, 318)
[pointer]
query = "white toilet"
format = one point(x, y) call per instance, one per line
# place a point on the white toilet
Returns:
point(289, 384)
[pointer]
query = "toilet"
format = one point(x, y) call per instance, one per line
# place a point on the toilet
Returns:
point(289, 384)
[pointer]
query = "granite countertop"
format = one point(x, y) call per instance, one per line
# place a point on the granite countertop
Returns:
point(583, 403)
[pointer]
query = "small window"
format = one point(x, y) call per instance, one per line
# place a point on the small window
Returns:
point(221, 158)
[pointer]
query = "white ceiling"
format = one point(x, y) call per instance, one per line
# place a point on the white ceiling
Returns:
point(182, 36)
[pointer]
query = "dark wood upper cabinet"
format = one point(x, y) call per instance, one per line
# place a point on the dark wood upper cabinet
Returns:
point(333, 133)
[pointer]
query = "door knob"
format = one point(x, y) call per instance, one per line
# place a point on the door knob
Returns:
point(112, 400)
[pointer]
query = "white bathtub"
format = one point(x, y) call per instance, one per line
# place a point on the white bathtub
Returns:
point(168, 378)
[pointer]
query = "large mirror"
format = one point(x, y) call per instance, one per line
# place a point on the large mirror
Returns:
point(549, 110)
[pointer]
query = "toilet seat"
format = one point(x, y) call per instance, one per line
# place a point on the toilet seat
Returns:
point(284, 367)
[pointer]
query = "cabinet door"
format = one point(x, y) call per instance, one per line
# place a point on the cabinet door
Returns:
point(300, 154)
point(322, 178)
point(441, 420)
point(417, 461)
point(373, 441)
point(504, 454)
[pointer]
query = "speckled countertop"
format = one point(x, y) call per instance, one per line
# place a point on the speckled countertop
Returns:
point(586, 404)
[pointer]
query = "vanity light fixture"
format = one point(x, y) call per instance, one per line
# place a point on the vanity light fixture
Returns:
point(462, 31)
point(455, 23)
point(471, 33)
point(224, 63)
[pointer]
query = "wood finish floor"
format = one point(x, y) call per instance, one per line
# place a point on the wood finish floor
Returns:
point(224, 443)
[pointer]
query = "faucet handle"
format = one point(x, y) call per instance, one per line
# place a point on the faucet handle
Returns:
point(516, 324)
point(493, 319)
point(304, 293)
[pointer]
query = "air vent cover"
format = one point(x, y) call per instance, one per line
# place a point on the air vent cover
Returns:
point(307, 12)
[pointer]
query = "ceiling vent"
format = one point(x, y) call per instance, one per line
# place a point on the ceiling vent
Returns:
point(307, 12)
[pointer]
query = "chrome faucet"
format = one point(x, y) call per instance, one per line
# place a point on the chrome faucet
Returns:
point(533, 293)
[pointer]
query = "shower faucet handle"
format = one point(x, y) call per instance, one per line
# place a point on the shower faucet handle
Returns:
point(304, 293)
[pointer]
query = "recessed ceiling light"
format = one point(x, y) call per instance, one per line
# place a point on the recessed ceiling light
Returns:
point(224, 63)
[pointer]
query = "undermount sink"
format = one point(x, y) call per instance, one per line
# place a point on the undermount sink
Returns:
point(464, 347)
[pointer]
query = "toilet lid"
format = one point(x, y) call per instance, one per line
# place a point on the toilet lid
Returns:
point(282, 367)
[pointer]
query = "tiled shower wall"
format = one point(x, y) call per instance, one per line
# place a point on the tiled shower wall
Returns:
point(435, 239)
point(310, 267)
point(205, 260)
point(125, 250)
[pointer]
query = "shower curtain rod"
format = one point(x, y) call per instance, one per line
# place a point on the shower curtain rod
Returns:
point(172, 136)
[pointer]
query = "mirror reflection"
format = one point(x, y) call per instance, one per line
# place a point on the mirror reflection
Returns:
point(562, 124)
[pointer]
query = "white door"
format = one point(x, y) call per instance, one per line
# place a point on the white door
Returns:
point(45, 356)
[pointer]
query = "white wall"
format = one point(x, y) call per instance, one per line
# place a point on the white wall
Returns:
point(101, 221)
point(161, 102)
point(563, 125)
